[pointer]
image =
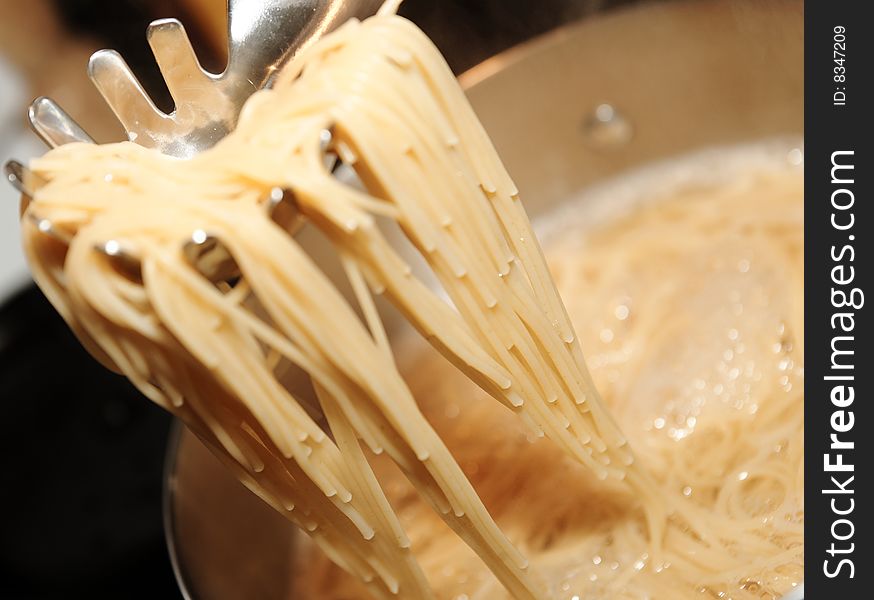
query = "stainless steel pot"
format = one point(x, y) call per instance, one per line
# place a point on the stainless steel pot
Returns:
point(568, 109)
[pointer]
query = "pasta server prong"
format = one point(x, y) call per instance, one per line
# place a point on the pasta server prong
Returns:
point(262, 36)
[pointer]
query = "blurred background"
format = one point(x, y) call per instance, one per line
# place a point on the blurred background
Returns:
point(82, 453)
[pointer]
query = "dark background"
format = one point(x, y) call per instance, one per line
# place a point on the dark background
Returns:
point(827, 129)
point(82, 452)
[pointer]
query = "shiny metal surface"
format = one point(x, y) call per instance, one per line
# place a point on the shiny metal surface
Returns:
point(47, 228)
point(123, 257)
point(54, 126)
point(210, 257)
point(680, 75)
point(262, 36)
point(22, 179)
point(15, 173)
point(246, 555)
point(213, 260)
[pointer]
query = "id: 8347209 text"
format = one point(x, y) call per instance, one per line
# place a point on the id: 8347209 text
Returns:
point(839, 97)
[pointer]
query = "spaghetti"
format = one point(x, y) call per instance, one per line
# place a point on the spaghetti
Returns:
point(211, 352)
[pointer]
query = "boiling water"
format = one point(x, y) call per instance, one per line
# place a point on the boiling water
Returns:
point(682, 281)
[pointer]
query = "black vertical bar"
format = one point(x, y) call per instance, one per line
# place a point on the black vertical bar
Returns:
point(839, 62)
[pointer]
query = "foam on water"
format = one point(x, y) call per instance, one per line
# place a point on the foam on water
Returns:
point(710, 167)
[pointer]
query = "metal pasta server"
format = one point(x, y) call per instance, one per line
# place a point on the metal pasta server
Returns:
point(262, 37)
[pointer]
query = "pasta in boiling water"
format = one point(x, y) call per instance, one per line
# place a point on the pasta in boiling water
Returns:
point(687, 298)
point(210, 349)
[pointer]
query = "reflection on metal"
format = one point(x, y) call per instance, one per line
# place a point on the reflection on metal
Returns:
point(210, 257)
point(15, 173)
point(54, 126)
point(262, 36)
point(123, 259)
point(606, 128)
